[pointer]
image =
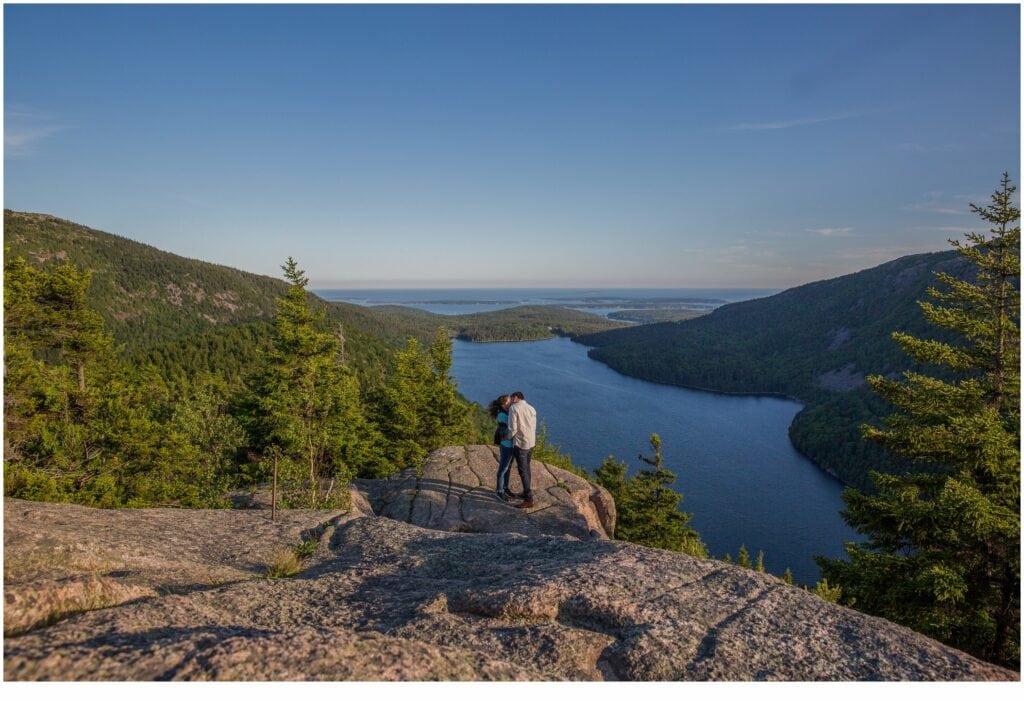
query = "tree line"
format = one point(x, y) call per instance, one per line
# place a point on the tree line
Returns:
point(87, 424)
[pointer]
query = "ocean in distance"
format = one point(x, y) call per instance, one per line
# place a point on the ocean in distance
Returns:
point(594, 300)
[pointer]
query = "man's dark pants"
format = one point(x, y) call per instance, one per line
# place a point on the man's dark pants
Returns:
point(523, 465)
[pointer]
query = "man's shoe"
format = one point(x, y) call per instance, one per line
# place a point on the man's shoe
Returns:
point(528, 504)
point(501, 496)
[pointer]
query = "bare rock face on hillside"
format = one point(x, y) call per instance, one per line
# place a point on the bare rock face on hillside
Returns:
point(383, 599)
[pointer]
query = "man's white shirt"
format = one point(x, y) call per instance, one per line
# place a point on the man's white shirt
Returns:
point(522, 422)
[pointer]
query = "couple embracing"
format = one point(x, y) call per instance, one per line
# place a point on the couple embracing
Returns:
point(516, 435)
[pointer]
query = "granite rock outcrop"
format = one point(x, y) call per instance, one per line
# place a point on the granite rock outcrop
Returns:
point(416, 584)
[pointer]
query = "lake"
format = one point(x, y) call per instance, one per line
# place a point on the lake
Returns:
point(742, 479)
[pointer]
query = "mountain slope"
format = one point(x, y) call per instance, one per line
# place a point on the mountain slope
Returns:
point(180, 312)
point(816, 342)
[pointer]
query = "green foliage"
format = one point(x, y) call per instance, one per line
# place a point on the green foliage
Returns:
point(419, 409)
point(207, 372)
point(527, 323)
point(943, 548)
point(743, 560)
point(306, 548)
point(787, 576)
point(186, 316)
point(78, 425)
point(203, 417)
point(827, 592)
point(307, 407)
point(654, 316)
point(647, 508)
point(144, 295)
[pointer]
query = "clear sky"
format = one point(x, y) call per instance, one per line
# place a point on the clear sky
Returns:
point(551, 146)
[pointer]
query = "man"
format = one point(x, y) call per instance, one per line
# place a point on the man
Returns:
point(522, 424)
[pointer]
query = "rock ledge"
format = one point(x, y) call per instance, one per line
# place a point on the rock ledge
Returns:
point(143, 594)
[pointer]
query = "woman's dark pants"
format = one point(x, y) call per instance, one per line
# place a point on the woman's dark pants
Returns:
point(504, 467)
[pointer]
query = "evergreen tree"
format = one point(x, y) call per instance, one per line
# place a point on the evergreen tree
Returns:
point(448, 414)
point(78, 425)
point(943, 548)
point(743, 557)
point(308, 404)
point(403, 406)
point(202, 416)
point(647, 508)
point(419, 409)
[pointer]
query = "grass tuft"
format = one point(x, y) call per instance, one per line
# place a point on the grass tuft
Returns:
point(284, 564)
point(306, 548)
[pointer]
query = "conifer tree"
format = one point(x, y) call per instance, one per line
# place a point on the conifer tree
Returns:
point(402, 408)
point(943, 548)
point(647, 508)
point(743, 557)
point(78, 425)
point(308, 403)
point(448, 413)
point(420, 409)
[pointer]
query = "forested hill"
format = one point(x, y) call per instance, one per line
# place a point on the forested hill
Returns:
point(816, 342)
point(144, 295)
point(180, 314)
point(184, 314)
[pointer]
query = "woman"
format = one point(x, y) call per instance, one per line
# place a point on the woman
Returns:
point(498, 410)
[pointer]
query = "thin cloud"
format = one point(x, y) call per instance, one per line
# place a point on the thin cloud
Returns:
point(943, 229)
point(834, 232)
point(25, 129)
point(789, 124)
point(941, 203)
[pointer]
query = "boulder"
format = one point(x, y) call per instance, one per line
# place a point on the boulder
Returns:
point(455, 491)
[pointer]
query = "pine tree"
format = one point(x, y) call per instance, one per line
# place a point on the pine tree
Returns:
point(647, 508)
point(79, 425)
point(743, 557)
point(419, 409)
point(943, 548)
point(448, 413)
point(308, 405)
point(402, 408)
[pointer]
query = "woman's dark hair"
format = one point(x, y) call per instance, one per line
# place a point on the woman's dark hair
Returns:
point(497, 406)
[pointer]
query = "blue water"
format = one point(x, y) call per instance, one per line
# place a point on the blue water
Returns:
point(597, 301)
point(743, 481)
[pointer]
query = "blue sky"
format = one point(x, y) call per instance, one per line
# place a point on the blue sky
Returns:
point(550, 146)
